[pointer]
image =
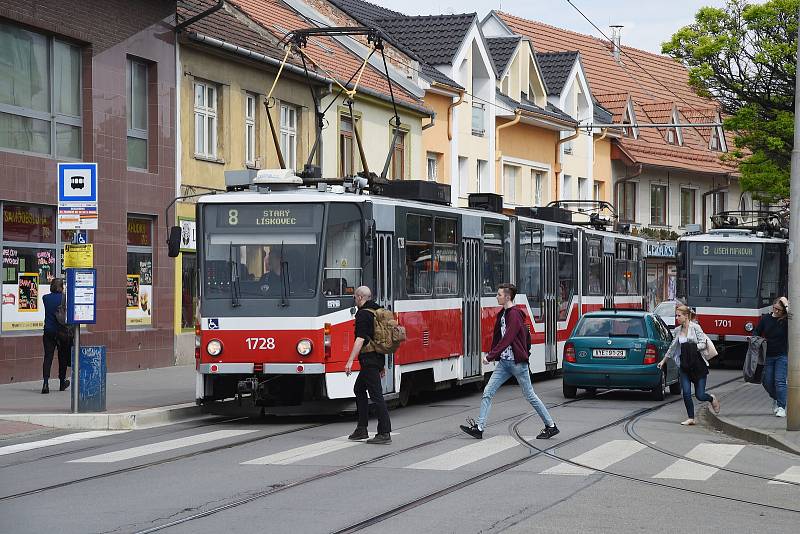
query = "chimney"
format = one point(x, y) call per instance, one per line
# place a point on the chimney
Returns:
point(616, 40)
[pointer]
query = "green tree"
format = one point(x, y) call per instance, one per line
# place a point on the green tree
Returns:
point(744, 56)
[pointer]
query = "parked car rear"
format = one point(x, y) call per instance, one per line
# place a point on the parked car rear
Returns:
point(619, 349)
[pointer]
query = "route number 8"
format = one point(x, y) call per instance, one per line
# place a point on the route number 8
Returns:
point(233, 217)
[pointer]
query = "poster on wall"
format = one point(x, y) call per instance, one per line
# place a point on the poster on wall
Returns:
point(139, 300)
point(28, 292)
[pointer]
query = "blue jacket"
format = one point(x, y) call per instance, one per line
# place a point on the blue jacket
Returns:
point(51, 304)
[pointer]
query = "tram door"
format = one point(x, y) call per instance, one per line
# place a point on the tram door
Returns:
point(608, 280)
point(384, 293)
point(472, 307)
point(550, 305)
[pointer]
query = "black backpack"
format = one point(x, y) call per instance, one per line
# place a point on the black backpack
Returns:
point(65, 331)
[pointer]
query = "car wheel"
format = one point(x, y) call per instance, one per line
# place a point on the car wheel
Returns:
point(675, 388)
point(658, 391)
point(570, 392)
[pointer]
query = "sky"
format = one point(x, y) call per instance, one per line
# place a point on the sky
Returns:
point(647, 23)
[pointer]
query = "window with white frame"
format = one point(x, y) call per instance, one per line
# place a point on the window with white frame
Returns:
point(688, 201)
point(583, 188)
point(289, 135)
point(433, 166)
point(478, 118)
point(40, 93)
point(250, 101)
point(205, 120)
point(510, 183)
point(537, 188)
point(137, 114)
point(597, 190)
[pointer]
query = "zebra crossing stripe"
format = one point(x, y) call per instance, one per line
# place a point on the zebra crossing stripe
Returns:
point(600, 457)
point(59, 440)
point(163, 446)
point(790, 475)
point(467, 454)
point(716, 454)
point(306, 452)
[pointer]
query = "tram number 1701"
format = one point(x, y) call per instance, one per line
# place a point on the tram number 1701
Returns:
point(260, 343)
point(725, 323)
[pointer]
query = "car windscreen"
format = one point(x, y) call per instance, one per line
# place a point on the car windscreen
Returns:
point(610, 326)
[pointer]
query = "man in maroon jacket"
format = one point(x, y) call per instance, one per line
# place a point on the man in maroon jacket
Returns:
point(511, 350)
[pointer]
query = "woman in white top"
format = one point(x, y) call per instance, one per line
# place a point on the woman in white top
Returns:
point(688, 342)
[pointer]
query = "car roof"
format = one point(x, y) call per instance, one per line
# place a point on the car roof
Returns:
point(617, 313)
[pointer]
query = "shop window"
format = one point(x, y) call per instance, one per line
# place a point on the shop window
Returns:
point(445, 265)
point(40, 93)
point(595, 271)
point(139, 285)
point(29, 264)
point(188, 290)
point(493, 258)
point(419, 248)
point(342, 273)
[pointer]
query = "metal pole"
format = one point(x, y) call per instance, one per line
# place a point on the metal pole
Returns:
point(76, 352)
point(793, 399)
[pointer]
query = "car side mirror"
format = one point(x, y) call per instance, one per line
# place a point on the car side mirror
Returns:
point(174, 242)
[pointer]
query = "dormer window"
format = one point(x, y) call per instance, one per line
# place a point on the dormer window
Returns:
point(629, 128)
point(674, 135)
point(717, 140)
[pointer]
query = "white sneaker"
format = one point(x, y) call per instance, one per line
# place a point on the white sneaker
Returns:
point(774, 406)
point(780, 412)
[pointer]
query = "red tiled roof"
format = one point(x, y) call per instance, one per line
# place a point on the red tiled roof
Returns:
point(657, 84)
point(278, 18)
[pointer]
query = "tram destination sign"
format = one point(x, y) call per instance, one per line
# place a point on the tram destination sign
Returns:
point(255, 215)
point(738, 251)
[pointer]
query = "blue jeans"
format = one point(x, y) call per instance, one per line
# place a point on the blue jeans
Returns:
point(506, 369)
point(774, 378)
point(699, 392)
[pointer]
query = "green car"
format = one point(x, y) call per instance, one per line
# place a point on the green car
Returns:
point(619, 349)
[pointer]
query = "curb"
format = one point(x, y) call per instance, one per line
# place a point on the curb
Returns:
point(753, 435)
point(110, 421)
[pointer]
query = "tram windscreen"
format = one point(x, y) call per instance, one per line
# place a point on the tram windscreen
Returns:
point(724, 270)
point(257, 251)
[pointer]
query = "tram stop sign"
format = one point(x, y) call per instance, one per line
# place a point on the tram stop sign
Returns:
point(77, 196)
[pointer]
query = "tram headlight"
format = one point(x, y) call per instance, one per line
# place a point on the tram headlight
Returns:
point(304, 347)
point(748, 326)
point(214, 347)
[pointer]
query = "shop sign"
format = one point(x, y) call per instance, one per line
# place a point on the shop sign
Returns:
point(661, 249)
point(32, 224)
point(79, 256)
point(188, 235)
point(140, 232)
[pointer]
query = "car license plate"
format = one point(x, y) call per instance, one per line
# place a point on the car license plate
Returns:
point(608, 353)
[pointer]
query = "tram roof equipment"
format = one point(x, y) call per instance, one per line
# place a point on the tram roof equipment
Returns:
point(765, 223)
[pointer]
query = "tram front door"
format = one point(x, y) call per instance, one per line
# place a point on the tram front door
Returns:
point(608, 281)
point(472, 307)
point(550, 305)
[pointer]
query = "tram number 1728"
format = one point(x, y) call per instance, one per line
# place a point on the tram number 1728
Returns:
point(260, 343)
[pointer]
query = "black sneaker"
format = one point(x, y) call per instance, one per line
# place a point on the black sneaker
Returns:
point(380, 439)
point(548, 432)
point(472, 429)
point(64, 385)
point(45, 389)
point(358, 434)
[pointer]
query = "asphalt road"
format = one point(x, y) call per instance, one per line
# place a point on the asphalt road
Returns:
point(622, 463)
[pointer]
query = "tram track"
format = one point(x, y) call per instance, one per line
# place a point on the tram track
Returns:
point(192, 454)
point(539, 452)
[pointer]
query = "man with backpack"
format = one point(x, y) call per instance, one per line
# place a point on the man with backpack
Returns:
point(511, 348)
point(372, 368)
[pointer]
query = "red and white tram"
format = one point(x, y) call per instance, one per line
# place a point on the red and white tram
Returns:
point(279, 263)
point(732, 274)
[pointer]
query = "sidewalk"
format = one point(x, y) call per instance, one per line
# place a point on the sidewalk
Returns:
point(747, 414)
point(133, 399)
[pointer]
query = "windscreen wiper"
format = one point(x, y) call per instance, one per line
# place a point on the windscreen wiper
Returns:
point(284, 280)
point(708, 283)
point(236, 291)
point(738, 283)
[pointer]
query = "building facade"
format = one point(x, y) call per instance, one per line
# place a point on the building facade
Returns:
point(72, 90)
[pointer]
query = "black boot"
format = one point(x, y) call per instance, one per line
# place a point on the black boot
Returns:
point(46, 387)
point(63, 385)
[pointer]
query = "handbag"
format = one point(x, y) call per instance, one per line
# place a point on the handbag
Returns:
point(710, 352)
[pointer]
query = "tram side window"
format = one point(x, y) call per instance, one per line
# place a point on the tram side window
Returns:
point(595, 270)
point(493, 258)
point(566, 273)
point(530, 266)
point(621, 270)
point(771, 275)
point(342, 272)
point(445, 266)
point(419, 248)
